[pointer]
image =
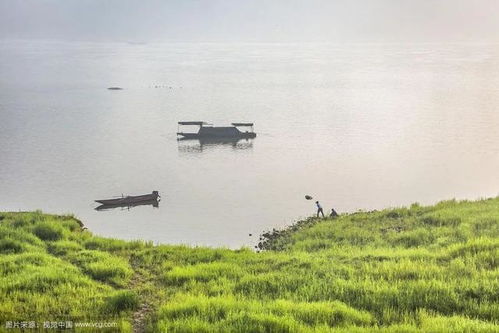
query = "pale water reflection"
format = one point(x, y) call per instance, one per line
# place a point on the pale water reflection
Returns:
point(355, 126)
point(202, 145)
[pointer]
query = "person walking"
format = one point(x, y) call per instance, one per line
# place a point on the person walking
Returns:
point(319, 209)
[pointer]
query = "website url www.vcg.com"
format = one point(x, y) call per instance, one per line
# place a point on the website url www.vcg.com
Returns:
point(95, 325)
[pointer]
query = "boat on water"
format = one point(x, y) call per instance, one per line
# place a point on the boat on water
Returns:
point(154, 203)
point(130, 200)
point(208, 131)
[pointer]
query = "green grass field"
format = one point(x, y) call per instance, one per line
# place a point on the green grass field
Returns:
point(416, 269)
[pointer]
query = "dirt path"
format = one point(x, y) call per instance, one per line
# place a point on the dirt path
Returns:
point(148, 302)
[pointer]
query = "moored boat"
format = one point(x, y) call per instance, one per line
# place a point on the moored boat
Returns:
point(128, 200)
point(208, 131)
point(154, 203)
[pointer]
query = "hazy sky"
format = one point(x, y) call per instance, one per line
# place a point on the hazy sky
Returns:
point(252, 20)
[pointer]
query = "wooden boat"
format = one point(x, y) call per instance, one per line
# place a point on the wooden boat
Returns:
point(129, 200)
point(208, 131)
point(154, 203)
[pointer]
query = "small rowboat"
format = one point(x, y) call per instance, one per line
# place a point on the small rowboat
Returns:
point(130, 200)
point(154, 203)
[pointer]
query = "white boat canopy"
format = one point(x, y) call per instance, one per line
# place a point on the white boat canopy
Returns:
point(198, 123)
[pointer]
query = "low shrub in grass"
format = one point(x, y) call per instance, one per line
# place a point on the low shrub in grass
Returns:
point(10, 246)
point(454, 324)
point(112, 272)
point(315, 245)
point(260, 322)
point(270, 285)
point(63, 247)
point(41, 280)
point(185, 255)
point(414, 238)
point(20, 222)
point(28, 259)
point(234, 314)
point(39, 286)
point(486, 226)
point(26, 238)
point(439, 221)
point(201, 272)
point(102, 266)
point(106, 244)
point(38, 273)
point(474, 247)
point(123, 300)
point(402, 269)
point(317, 313)
point(48, 231)
point(69, 223)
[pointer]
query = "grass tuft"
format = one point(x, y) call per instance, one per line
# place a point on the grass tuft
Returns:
point(123, 300)
point(48, 231)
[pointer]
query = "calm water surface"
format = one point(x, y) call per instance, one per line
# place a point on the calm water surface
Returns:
point(356, 126)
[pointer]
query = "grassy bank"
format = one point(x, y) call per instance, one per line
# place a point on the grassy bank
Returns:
point(416, 269)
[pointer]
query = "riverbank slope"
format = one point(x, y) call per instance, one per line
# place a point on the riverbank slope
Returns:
point(415, 269)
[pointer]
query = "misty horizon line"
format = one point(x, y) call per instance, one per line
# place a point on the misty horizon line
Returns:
point(215, 41)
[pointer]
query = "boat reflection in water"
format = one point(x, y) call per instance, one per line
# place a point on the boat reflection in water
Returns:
point(187, 145)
